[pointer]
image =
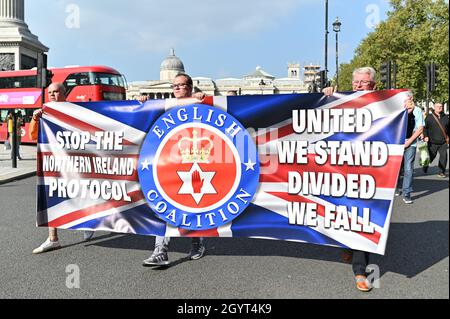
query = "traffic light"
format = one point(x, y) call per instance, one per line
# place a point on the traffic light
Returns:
point(44, 76)
point(428, 66)
point(394, 75)
point(385, 74)
point(48, 77)
point(434, 76)
point(322, 82)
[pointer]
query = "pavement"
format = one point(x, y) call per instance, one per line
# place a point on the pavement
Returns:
point(25, 167)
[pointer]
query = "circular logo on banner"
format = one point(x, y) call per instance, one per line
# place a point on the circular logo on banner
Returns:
point(198, 167)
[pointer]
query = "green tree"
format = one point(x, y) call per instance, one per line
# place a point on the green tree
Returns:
point(415, 33)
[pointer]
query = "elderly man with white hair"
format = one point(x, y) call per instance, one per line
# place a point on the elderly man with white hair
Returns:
point(363, 80)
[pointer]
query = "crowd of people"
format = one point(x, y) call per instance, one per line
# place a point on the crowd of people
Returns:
point(433, 129)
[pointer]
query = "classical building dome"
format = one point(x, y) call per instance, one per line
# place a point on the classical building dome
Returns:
point(172, 63)
point(170, 67)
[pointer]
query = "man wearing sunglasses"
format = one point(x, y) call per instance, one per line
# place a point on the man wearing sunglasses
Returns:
point(182, 87)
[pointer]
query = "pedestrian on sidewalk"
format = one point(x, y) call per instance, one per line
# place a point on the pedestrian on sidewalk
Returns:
point(7, 146)
point(19, 124)
point(56, 93)
point(436, 135)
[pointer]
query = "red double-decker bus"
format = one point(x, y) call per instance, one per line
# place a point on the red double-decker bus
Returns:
point(83, 84)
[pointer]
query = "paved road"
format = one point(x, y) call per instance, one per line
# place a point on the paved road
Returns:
point(416, 264)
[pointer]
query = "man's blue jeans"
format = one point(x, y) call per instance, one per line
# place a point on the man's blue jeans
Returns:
point(408, 170)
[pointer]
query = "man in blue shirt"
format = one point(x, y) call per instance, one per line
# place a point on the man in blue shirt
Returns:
point(414, 130)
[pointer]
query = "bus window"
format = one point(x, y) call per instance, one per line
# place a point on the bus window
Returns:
point(3, 115)
point(93, 78)
point(18, 82)
point(27, 115)
point(109, 79)
point(76, 79)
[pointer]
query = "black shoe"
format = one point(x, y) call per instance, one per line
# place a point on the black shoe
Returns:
point(407, 199)
point(197, 251)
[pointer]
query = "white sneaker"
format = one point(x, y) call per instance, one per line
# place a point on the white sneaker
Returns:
point(47, 246)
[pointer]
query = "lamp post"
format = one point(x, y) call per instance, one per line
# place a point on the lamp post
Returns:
point(337, 28)
point(326, 37)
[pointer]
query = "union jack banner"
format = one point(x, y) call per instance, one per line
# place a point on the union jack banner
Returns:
point(299, 167)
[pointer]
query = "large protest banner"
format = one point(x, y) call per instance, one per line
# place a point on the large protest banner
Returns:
point(300, 167)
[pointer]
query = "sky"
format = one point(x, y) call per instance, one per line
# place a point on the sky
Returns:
point(215, 39)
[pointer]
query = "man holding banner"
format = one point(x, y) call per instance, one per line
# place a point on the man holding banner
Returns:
point(363, 80)
point(182, 88)
point(56, 93)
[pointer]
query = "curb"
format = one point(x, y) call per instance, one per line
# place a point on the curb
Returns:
point(17, 178)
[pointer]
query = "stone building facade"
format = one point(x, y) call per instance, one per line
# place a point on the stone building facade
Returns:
point(257, 82)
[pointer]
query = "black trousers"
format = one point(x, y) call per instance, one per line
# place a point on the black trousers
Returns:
point(17, 146)
point(434, 149)
point(359, 262)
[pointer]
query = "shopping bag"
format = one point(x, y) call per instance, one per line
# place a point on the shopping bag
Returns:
point(424, 155)
point(7, 145)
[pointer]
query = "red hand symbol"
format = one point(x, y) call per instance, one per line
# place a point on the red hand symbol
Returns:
point(197, 183)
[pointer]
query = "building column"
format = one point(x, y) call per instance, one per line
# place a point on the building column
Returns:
point(12, 9)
